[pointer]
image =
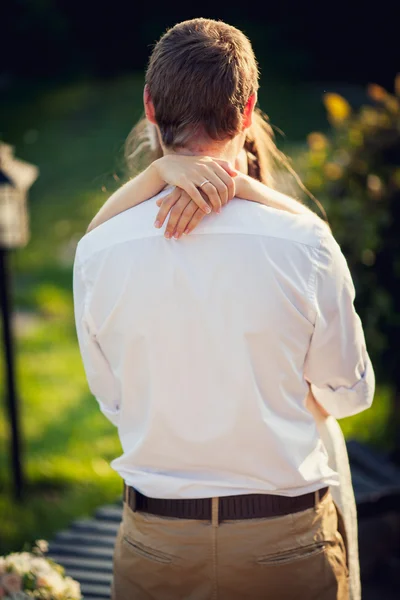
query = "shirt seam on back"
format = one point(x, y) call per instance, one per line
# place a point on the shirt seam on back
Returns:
point(262, 235)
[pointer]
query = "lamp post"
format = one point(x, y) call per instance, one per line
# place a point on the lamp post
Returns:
point(16, 177)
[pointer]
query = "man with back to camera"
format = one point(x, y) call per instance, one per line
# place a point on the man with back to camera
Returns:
point(201, 352)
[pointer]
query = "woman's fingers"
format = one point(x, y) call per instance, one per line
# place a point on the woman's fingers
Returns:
point(223, 183)
point(167, 202)
point(213, 177)
point(176, 213)
point(210, 189)
point(185, 219)
point(220, 186)
point(228, 181)
point(194, 221)
point(215, 183)
point(227, 167)
point(194, 193)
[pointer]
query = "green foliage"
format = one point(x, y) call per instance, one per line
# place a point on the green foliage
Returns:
point(29, 582)
point(356, 173)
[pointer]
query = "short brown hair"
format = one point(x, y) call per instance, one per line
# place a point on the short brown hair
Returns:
point(200, 76)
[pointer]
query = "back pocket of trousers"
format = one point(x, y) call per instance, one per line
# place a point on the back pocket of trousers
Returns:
point(293, 555)
point(147, 552)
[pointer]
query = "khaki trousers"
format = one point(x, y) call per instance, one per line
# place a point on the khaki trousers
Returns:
point(297, 556)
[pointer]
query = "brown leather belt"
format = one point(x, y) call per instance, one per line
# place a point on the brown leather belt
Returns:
point(245, 506)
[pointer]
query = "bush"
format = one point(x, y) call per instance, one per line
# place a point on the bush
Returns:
point(355, 172)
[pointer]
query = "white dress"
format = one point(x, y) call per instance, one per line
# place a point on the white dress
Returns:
point(343, 494)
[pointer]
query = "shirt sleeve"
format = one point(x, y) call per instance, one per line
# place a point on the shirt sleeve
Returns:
point(100, 377)
point(337, 364)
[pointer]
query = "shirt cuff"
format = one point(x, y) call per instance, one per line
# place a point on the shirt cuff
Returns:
point(347, 401)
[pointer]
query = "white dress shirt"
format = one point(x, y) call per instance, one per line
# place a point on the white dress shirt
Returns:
point(199, 349)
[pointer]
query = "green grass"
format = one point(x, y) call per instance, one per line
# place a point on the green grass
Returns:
point(74, 133)
point(68, 444)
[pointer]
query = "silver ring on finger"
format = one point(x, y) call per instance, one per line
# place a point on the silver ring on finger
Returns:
point(204, 182)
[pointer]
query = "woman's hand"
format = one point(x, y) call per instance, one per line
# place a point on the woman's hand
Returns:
point(184, 214)
point(191, 173)
point(314, 407)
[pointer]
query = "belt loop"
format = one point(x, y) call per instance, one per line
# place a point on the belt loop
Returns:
point(130, 497)
point(317, 499)
point(215, 511)
point(133, 498)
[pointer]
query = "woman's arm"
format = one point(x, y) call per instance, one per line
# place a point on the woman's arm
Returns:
point(146, 185)
point(255, 191)
point(185, 172)
point(314, 407)
point(184, 215)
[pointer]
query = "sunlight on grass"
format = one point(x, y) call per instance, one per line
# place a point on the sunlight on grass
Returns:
point(68, 443)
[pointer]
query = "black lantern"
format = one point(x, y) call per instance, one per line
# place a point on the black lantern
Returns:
point(16, 177)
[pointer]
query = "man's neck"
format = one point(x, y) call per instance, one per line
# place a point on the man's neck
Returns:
point(225, 151)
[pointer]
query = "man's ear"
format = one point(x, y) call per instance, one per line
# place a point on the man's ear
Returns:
point(148, 105)
point(249, 111)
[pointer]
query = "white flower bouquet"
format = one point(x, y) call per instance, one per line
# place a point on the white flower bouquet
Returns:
point(27, 575)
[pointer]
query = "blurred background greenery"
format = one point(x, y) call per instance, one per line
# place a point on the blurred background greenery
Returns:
point(70, 93)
